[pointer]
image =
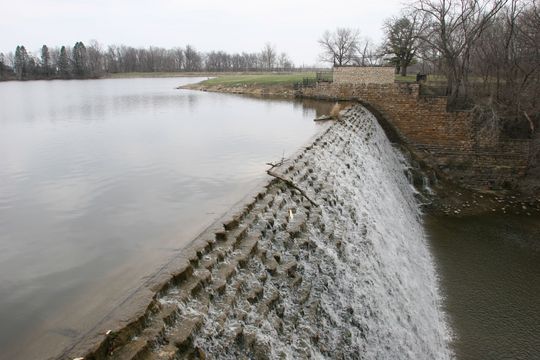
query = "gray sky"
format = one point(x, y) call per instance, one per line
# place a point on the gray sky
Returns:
point(233, 25)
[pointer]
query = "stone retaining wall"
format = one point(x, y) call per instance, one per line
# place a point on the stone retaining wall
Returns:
point(450, 142)
point(363, 75)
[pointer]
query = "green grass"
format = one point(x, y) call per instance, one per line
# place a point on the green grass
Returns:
point(230, 79)
point(152, 74)
point(251, 79)
point(408, 78)
point(276, 79)
point(434, 79)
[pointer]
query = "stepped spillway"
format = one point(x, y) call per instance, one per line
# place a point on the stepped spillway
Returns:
point(349, 277)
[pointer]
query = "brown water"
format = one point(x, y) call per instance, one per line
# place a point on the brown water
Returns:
point(489, 268)
point(103, 181)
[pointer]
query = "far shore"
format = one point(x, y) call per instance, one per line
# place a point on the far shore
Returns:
point(297, 74)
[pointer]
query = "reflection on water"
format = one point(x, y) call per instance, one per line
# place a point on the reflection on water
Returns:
point(490, 272)
point(101, 181)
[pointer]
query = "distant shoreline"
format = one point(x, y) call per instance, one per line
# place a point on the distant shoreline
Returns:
point(157, 74)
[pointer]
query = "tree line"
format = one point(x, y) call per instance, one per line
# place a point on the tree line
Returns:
point(93, 61)
point(485, 52)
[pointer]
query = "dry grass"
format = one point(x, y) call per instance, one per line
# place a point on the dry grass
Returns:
point(335, 110)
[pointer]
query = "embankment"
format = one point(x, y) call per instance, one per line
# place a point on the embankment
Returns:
point(283, 91)
point(454, 144)
point(343, 274)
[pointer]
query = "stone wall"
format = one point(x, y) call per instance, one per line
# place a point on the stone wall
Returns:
point(363, 75)
point(447, 141)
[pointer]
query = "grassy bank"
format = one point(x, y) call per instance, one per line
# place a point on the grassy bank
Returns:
point(269, 79)
point(407, 78)
point(227, 79)
point(130, 75)
point(266, 84)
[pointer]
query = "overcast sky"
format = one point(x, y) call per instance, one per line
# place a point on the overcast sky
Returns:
point(293, 26)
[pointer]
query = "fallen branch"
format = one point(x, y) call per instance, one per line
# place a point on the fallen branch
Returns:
point(290, 183)
point(272, 165)
point(281, 162)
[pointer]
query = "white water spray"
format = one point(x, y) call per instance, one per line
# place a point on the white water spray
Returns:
point(365, 289)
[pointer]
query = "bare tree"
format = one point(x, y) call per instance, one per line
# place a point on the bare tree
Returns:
point(367, 54)
point(268, 56)
point(452, 28)
point(10, 59)
point(95, 58)
point(339, 47)
point(217, 61)
point(111, 59)
point(4, 68)
point(507, 55)
point(284, 62)
point(179, 59)
point(193, 59)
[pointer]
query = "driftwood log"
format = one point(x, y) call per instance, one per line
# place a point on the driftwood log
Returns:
point(287, 181)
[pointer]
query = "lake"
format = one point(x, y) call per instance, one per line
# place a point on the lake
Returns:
point(103, 181)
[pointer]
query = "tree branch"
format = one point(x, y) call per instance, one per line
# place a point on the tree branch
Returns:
point(289, 183)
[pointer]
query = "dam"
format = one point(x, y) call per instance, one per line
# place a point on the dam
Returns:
point(106, 184)
point(336, 266)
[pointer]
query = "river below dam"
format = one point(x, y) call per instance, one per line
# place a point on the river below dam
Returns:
point(104, 181)
point(489, 268)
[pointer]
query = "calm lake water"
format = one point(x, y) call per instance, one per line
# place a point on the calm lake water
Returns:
point(102, 181)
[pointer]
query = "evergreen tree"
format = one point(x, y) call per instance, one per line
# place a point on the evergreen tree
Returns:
point(63, 63)
point(18, 63)
point(3, 67)
point(80, 59)
point(45, 60)
point(21, 62)
point(402, 40)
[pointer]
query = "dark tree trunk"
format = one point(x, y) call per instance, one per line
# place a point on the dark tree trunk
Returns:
point(403, 71)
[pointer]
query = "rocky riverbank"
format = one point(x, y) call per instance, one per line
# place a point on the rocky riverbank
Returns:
point(453, 201)
point(441, 197)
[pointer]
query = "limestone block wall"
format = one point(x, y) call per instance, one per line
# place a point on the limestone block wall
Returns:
point(363, 75)
point(448, 141)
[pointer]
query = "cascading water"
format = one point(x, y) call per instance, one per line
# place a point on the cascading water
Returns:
point(384, 278)
point(350, 278)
